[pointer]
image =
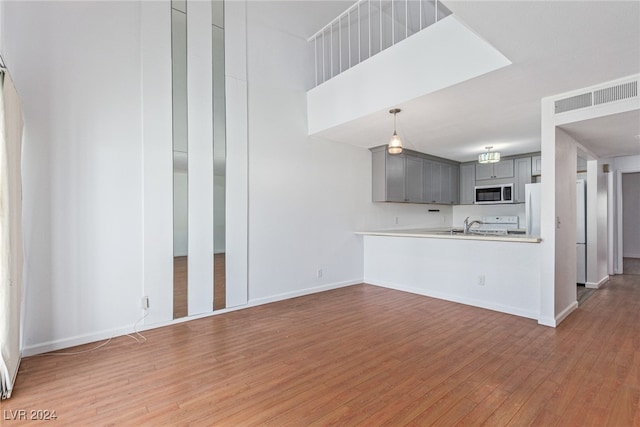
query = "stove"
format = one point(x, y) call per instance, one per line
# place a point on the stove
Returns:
point(496, 225)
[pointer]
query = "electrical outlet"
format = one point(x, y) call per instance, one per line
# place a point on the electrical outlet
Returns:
point(481, 280)
point(144, 303)
point(319, 273)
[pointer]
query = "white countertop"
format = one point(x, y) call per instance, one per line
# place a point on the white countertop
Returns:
point(445, 233)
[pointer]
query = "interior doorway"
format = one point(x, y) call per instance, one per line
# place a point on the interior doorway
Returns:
point(630, 182)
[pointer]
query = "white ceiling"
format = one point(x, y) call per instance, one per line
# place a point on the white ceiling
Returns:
point(619, 133)
point(555, 47)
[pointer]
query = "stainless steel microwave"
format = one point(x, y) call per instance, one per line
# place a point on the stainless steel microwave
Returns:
point(493, 194)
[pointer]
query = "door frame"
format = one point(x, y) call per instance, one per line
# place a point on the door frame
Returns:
point(618, 267)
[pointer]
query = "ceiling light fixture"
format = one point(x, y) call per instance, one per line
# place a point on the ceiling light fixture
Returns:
point(489, 156)
point(395, 144)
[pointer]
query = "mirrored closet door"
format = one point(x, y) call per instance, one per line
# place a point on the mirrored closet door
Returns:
point(179, 58)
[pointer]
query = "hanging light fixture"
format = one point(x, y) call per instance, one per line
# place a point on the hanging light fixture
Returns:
point(489, 156)
point(395, 144)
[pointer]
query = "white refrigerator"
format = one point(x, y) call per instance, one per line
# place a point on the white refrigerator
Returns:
point(532, 215)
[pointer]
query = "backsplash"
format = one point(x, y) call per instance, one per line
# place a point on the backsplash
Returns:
point(383, 216)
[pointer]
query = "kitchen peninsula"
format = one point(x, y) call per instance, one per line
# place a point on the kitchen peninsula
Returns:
point(500, 273)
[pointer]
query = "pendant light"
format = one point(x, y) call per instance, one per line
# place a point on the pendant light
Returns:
point(489, 156)
point(395, 144)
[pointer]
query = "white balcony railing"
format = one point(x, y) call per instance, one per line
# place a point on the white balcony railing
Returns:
point(367, 28)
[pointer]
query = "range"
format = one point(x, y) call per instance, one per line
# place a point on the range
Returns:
point(496, 225)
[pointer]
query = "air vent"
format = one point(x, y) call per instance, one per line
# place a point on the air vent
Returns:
point(573, 103)
point(598, 97)
point(615, 93)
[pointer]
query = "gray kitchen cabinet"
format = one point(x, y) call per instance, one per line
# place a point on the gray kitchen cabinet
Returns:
point(502, 169)
point(388, 177)
point(395, 181)
point(414, 183)
point(450, 193)
point(396, 177)
point(467, 183)
point(441, 182)
point(433, 181)
point(536, 165)
point(413, 177)
point(522, 177)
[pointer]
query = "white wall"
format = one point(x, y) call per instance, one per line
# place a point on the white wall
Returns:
point(158, 159)
point(381, 216)
point(450, 269)
point(95, 78)
point(307, 195)
point(375, 84)
point(597, 217)
point(77, 67)
point(630, 215)
point(565, 242)
point(237, 202)
point(558, 221)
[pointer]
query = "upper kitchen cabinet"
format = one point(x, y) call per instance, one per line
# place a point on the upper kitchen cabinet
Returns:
point(441, 184)
point(432, 181)
point(396, 177)
point(502, 169)
point(536, 165)
point(450, 184)
point(467, 183)
point(522, 177)
point(414, 182)
point(413, 177)
point(388, 177)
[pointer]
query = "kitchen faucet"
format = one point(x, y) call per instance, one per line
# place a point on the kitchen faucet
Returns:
point(467, 224)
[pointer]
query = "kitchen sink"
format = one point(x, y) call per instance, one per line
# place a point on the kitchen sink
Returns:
point(454, 232)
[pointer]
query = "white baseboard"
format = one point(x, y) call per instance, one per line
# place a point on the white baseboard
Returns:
point(116, 332)
point(547, 321)
point(74, 341)
point(592, 285)
point(461, 300)
point(566, 312)
point(554, 322)
point(302, 292)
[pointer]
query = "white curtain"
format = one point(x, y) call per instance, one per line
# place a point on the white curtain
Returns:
point(11, 255)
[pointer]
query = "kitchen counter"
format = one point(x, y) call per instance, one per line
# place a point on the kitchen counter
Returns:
point(445, 233)
point(493, 272)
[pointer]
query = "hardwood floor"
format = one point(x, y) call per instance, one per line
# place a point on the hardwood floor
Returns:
point(631, 266)
point(361, 355)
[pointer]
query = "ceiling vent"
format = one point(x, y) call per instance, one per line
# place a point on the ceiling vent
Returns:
point(574, 103)
point(598, 97)
point(615, 93)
